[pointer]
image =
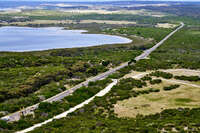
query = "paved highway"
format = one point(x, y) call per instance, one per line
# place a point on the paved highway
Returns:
point(16, 116)
point(147, 52)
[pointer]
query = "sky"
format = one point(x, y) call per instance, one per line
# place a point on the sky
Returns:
point(116, 0)
point(99, 0)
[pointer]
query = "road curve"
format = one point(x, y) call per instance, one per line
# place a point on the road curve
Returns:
point(64, 114)
point(16, 116)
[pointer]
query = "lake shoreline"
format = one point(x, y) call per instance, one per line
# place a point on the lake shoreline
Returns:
point(125, 39)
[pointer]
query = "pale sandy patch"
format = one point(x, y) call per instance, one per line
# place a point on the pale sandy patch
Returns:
point(99, 11)
point(90, 11)
point(158, 15)
point(71, 21)
point(67, 86)
point(44, 13)
point(107, 22)
point(141, 12)
point(10, 11)
point(175, 72)
point(136, 74)
point(42, 22)
point(186, 72)
point(166, 25)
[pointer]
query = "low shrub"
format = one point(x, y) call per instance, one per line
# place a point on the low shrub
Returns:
point(188, 78)
point(155, 81)
point(162, 74)
point(105, 63)
point(154, 90)
point(146, 78)
point(171, 87)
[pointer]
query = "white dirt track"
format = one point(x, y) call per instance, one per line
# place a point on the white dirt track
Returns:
point(100, 94)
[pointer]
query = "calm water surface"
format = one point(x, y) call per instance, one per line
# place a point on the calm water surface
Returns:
point(32, 39)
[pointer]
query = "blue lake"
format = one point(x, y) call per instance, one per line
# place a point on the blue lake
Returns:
point(33, 39)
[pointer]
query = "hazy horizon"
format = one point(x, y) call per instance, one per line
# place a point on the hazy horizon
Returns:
point(103, 0)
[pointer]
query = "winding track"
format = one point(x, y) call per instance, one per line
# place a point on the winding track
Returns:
point(138, 76)
point(100, 94)
point(16, 116)
point(64, 114)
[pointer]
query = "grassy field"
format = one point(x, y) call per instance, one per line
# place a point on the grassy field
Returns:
point(183, 97)
point(186, 96)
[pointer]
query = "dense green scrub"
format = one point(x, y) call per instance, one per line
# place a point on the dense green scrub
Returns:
point(48, 110)
point(99, 115)
point(146, 32)
point(182, 50)
point(162, 74)
point(25, 79)
point(30, 77)
point(78, 64)
point(85, 122)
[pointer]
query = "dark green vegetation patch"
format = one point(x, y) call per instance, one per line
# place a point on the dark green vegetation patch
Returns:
point(182, 50)
point(188, 78)
point(171, 87)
